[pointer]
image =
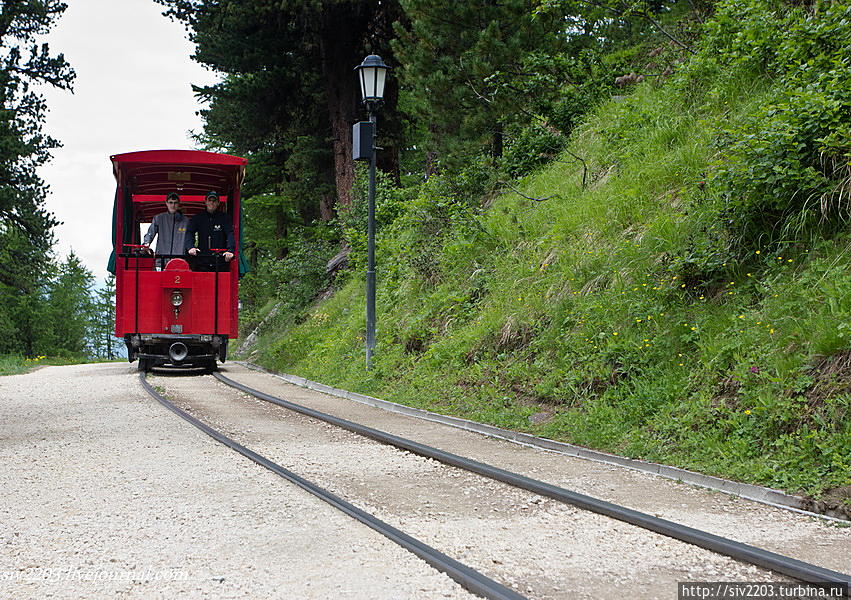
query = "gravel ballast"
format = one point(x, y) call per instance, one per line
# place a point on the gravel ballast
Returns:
point(107, 494)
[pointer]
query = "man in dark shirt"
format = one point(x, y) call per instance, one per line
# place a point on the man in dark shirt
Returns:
point(214, 229)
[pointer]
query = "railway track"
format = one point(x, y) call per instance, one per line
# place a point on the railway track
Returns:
point(468, 577)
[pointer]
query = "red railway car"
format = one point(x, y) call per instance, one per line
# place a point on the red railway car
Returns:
point(169, 309)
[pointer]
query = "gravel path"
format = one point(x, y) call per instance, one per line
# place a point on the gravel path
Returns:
point(107, 494)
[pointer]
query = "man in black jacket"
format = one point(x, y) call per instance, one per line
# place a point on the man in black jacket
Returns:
point(214, 230)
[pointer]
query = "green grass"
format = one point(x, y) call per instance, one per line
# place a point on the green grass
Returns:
point(582, 309)
point(16, 365)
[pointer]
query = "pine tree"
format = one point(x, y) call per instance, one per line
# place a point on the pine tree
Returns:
point(102, 326)
point(71, 308)
point(465, 68)
point(26, 228)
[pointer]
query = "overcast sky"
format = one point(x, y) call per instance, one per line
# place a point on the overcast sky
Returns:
point(132, 92)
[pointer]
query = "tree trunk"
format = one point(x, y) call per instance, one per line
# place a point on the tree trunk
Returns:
point(497, 144)
point(280, 232)
point(431, 166)
point(350, 31)
point(340, 53)
point(326, 207)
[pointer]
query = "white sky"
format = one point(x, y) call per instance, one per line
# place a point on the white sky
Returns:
point(132, 92)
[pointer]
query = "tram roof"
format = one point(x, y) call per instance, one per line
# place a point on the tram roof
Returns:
point(178, 157)
point(190, 172)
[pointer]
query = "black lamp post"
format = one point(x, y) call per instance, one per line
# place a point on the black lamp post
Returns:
point(372, 73)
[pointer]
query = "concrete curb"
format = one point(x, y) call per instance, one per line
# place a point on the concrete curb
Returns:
point(748, 491)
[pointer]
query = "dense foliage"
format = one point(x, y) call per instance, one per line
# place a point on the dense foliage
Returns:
point(784, 172)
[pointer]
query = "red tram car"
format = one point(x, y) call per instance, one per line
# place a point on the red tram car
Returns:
point(168, 312)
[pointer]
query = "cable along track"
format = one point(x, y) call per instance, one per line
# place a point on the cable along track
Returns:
point(470, 579)
point(792, 567)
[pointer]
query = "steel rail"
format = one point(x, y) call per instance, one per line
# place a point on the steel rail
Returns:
point(792, 567)
point(467, 577)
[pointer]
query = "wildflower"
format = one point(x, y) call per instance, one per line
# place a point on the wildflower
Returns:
point(741, 316)
point(771, 331)
point(754, 369)
point(747, 412)
point(694, 328)
point(758, 252)
point(615, 333)
point(790, 260)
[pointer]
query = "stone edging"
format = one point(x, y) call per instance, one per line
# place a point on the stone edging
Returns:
point(748, 491)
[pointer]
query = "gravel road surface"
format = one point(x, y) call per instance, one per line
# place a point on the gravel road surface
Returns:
point(107, 494)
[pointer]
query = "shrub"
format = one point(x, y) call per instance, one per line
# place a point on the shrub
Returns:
point(783, 172)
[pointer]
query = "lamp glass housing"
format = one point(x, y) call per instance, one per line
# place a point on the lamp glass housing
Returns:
point(373, 74)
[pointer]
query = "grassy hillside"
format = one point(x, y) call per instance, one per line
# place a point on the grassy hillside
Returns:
point(661, 298)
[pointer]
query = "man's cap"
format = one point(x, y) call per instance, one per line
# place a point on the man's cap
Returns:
point(173, 196)
point(212, 194)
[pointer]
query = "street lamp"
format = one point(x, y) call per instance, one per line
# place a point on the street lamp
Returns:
point(372, 73)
